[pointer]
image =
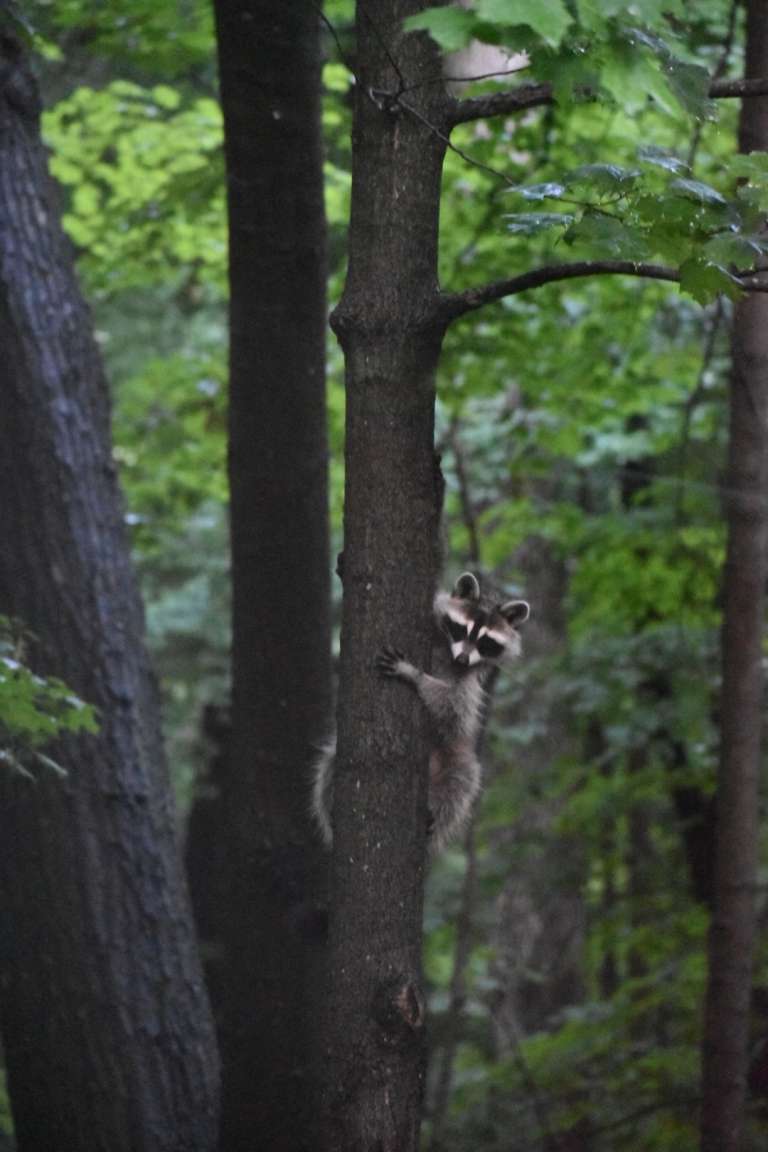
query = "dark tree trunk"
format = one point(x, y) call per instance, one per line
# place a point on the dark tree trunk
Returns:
point(732, 932)
point(387, 326)
point(104, 1018)
point(266, 865)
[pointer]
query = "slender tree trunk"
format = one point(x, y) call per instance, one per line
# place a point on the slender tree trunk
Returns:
point(733, 923)
point(391, 340)
point(267, 864)
point(105, 1021)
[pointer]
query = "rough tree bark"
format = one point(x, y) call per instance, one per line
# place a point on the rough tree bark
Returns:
point(105, 1022)
point(265, 863)
point(387, 326)
point(731, 939)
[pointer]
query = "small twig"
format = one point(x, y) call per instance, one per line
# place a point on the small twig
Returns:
point(719, 72)
point(363, 7)
point(535, 1097)
point(334, 36)
point(465, 156)
point(441, 78)
point(465, 496)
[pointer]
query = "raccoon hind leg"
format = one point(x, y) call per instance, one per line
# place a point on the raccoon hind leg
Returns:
point(454, 783)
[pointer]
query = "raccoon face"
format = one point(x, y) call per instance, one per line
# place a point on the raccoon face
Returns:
point(479, 632)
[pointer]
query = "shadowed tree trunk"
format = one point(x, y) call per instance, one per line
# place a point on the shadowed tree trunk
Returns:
point(259, 865)
point(105, 1022)
point(387, 326)
point(726, 1025)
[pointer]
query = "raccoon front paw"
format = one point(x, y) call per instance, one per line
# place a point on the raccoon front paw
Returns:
point(389, 662)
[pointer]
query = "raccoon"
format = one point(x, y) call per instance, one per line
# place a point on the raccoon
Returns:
point(474, 634)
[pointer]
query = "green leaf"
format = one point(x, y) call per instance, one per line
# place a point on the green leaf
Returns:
point(754, 165)
point(653, 12)
point(689, 83)
point(451, 28)
point(661, 158)
point(549, 19)
point(605, 236)
point(696, 190)
point(595, 13)
point(530, 223)
point(166, 97)
point(706, 281)
point(602, 178)
point(549, 190)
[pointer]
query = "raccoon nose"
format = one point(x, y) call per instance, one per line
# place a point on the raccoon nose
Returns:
point(462, 660)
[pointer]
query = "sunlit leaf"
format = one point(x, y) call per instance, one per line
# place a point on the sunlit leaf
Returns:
point(529, 223)
point(697, 190)
point(549, 19)
point(451, 28)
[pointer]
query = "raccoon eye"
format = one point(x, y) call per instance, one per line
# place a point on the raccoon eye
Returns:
point(456, 631)
point(489, 648)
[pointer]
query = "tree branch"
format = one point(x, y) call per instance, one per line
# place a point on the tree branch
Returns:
point(737, 88)
point(537, 95)
point(454, 304)
point(500, 103)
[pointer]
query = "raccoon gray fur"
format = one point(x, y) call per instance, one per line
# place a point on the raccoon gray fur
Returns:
point(474, 633)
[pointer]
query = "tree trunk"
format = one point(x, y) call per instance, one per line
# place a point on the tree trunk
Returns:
point(104, 1018)
point(732, 931)
point(266, 863)
point(386, 323)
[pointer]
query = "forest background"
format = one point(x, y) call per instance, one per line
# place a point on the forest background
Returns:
point(583, 432)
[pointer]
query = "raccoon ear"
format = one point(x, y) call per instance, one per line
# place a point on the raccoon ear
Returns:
point(515, 612)
point(467, 587)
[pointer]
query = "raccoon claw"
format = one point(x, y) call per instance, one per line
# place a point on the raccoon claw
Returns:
point(388, 660)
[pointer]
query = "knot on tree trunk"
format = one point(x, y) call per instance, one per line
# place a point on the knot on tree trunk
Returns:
point(397, 314)
point(398, 1009)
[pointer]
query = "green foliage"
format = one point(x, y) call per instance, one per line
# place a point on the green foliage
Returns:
point(6, 1122)
point(172, 450)
point(492, 20)
point(595, 50)
point(33, 709)
point(173, 39)
point(651, 213)
point(588, 419)
point(144, 169)
point(635, 67)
